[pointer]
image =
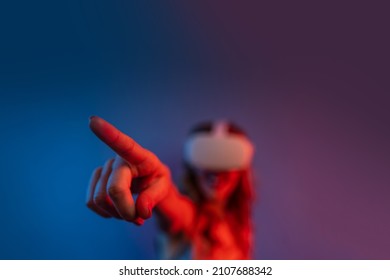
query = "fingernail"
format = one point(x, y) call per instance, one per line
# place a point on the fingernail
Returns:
point(147, 211)
point(91, 117)
point(139, 222)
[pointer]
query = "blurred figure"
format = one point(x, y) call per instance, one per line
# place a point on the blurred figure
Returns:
point(213, 216)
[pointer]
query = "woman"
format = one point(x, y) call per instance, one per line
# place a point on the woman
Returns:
point(215, 215)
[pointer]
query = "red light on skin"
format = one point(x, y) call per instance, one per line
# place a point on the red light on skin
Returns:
point(216, 236)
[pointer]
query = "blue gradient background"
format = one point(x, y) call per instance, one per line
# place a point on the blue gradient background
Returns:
point(309, 82)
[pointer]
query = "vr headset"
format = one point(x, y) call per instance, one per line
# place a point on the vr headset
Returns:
point(218, 150)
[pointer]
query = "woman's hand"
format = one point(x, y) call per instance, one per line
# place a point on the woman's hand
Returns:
point(135, 170)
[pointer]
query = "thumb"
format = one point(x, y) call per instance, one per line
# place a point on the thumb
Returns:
point(151, 196)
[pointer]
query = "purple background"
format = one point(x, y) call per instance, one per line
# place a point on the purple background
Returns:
point(308, 81)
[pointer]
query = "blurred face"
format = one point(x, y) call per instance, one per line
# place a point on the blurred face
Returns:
point(217, 185)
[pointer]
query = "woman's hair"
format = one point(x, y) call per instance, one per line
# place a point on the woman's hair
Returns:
point(239, 202)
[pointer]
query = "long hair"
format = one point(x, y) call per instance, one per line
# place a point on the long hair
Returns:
point(239, 203)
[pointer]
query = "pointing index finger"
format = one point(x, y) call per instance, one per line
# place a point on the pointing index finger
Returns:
point(144, 160)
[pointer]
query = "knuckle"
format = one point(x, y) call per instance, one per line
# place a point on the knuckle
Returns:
point(97, 170)
point(108, 164)
point(100, 200)
point(165, 171)
point(115, 193)
point(90, 204)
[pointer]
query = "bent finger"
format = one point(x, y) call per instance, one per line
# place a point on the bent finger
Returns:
point(118, 188)
point(100, 197)
point(90, 193)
